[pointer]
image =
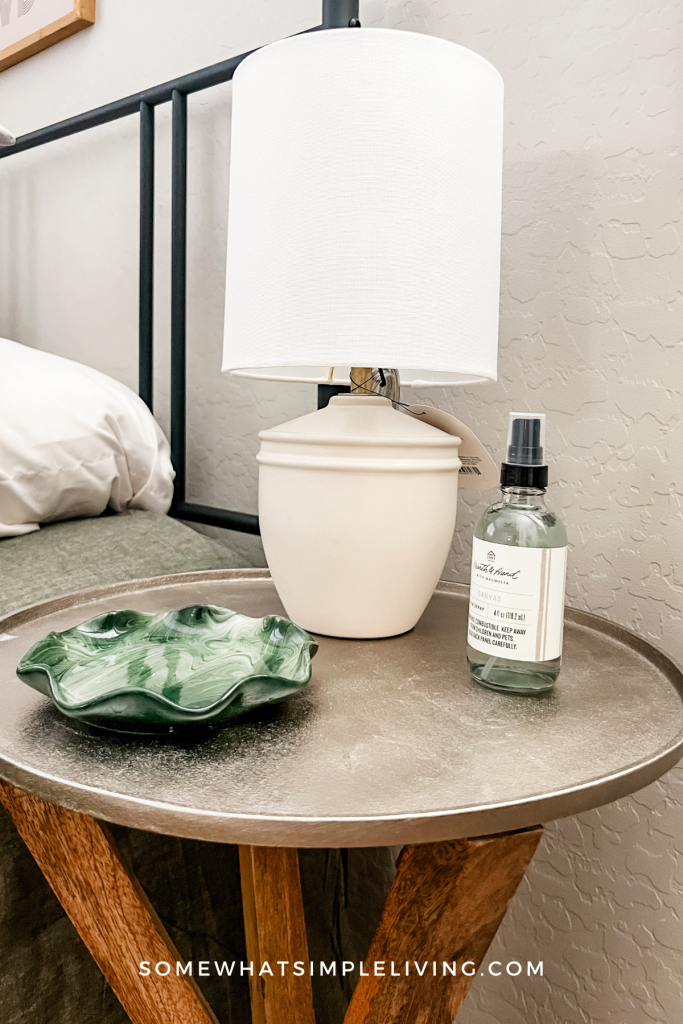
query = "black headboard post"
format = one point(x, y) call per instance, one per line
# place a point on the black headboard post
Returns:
point(146, 305)
point(179, 293)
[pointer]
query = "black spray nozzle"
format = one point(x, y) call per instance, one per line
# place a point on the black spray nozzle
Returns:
point(525, 440)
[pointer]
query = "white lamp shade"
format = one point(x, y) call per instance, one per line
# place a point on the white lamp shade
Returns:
point(365, 209)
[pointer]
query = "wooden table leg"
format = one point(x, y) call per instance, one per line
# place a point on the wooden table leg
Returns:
point(110, 911)
point(275, 931)
point(445, 904)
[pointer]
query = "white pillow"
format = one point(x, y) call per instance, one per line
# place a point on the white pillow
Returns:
point(73, 441)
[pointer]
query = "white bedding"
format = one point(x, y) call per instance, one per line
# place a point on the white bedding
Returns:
point(72, 442)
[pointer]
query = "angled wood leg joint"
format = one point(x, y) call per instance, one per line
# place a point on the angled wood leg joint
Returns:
point(445, 905)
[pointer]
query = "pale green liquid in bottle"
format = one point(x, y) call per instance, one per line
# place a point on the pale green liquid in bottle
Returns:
point(521, 520)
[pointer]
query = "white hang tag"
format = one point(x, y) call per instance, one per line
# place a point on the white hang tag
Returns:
point(478, 470)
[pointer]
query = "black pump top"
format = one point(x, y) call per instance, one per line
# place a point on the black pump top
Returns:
point(525, 448)
point(525, 466)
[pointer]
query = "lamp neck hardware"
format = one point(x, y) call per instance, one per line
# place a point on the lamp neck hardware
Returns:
point(382, 383)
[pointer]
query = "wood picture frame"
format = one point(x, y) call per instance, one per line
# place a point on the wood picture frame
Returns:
point(44, 22)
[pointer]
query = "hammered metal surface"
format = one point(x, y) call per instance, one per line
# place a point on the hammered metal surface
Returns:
point(391, 743)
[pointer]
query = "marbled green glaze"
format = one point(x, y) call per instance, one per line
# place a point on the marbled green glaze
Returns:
point(134, 672)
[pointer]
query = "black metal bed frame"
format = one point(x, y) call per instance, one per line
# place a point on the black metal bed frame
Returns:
point(336, 14)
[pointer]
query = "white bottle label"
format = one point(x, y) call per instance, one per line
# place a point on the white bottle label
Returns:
point(517, 601)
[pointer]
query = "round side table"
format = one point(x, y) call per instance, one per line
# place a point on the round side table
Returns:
point(390, 744)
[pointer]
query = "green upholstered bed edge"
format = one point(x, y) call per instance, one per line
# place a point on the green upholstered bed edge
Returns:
point(65, 557)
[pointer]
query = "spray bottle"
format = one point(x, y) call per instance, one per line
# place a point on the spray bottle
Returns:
point(519, 563)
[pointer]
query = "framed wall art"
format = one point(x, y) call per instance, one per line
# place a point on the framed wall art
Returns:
point(28, 26)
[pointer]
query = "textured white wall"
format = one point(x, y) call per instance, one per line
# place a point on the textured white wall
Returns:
point(591, 333)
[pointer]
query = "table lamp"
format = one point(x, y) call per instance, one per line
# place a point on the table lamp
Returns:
point(364, 237)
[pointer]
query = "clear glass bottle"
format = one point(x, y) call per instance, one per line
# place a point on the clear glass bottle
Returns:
point(517, 597)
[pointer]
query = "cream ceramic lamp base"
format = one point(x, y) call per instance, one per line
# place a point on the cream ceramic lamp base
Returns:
point(357, 504)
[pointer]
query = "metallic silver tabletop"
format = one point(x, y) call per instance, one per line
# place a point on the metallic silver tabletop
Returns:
point(390, 743)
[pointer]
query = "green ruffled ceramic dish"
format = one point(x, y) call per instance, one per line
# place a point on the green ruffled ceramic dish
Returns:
point(201, 665)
